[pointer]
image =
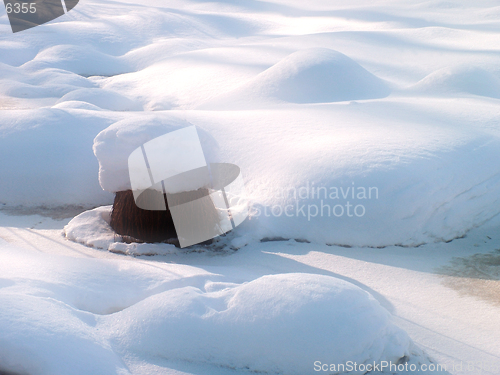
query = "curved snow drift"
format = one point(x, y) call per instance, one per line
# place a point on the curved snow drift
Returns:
point(314, 75)
point(462, 79)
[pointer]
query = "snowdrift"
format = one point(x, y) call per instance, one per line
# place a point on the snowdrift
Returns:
point(400, 181)
point(314, 75)
point(108, 309)
point(460, 80)
point(332, 100)
point(102, 98)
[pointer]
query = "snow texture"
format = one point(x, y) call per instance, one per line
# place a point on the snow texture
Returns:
point(313, 75)
point(394, 96)
point(386, 112)
point(103, 309)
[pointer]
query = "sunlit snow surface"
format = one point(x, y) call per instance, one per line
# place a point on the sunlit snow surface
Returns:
point(399, 99)
point(106, 307)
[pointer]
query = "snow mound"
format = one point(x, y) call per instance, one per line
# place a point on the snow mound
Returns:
point(112, 309)
point(29, 323)
point(102, 98)
point(82, 60)
point(310, 178)
point(257, 325)
point(59, 300)
point(313, 75)
point(462, 79)
point(47, 158)
point(91, 228)
point(114, 145)
point(75, 104)
point(46, 83)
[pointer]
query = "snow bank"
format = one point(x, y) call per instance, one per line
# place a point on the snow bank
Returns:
point(317, 110)
point(311, 75)
point(111, 309)
point(47, 157)
point(51, 306)
point(82, 60)
point(41, 335)
point(406, 179)
point(460, 79)
point(44, 83)
point(102, 98)
point(274, 324)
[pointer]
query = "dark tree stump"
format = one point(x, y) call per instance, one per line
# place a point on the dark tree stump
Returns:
point(131, 221)
point(135, 224)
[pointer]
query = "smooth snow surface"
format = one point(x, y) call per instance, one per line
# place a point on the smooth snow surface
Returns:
point(132, 313)
point(107, 308)
point(397, 97)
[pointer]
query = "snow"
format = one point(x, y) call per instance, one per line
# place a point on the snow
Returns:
point(104, 290)
point(107, 308)
point(313, 75)
point(114, 145)
point(371, 97)
point(91, 228)
point(460, 79)
point(254, 326)
point(385, 112)
point(51, 308)
point(407, 179)
point(101, 98)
